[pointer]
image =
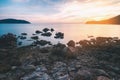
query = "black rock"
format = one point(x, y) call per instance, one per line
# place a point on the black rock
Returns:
point(38, 32)
point(20, 43)
point(71, 43)
point(35, 37)
point(23, 33)
point(42, 42)
point(48, 34)
point(59, 35)
point(52, 30)
point(22, 37)
point(45, 29)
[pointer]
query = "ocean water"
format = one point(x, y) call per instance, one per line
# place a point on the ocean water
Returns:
point(74, 32)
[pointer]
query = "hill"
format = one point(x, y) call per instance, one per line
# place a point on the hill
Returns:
point(10, 21)
point(114, 20)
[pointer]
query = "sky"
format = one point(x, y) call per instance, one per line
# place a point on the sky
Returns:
point(59, 11)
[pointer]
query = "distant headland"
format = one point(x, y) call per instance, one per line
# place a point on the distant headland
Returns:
point(11, 21)
point(114, 20)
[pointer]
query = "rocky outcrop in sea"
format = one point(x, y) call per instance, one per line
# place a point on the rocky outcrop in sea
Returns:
point(98, 60)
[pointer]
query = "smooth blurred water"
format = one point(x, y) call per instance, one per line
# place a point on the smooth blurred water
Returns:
point(74, 32)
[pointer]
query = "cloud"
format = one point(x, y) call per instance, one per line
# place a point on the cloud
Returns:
point(61, 10)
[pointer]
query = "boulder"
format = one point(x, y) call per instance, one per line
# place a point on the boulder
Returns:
point(45, 30)
point(71, 43)
point(8, 41)
point(24, 34)
point(35, 37)
point(59, 35)
point(38, 32)
point(84, 75)
point(47, 34)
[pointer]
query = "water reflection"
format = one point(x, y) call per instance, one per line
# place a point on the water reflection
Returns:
point(74, 32)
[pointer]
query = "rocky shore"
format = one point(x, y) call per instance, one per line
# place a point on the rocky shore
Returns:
point(95, 59)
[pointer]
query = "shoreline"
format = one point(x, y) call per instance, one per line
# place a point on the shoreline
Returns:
point(97, 59)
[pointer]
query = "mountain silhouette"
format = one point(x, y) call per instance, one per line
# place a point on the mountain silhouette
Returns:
point(114, 20)
point(10, 21)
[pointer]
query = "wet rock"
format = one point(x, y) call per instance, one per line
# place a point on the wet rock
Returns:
point(38, 74)
point(47, 34)
point(45, 30)
point(64, 77)
point(44, 50)
point(34, 37)
point(102, 78)
point(71, 43)
point(14, 67)
point(52, 30)
point(72, 68)
point(84, 75)
point(59, 35)
point(22, 37)
point(33, 34)
point(24, 34)
point(19, 43)
point(41, 68)
point(114, 69)
point(78, 65)
point(38, 32)
point(58, 50)
point(29, 67)
point(99, 72)
point(71, 50)
point(59, 71)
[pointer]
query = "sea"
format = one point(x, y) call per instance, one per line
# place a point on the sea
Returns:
point(74, 32)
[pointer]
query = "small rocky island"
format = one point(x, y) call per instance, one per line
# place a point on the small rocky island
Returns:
point(11, 21)
point(114, 20)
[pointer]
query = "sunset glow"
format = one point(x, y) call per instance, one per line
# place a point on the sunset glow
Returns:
point(60, 11)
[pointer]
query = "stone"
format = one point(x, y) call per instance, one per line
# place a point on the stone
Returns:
point(2, 76)
point(71, 68)
point(37, 75)
point(45, 30)
point(84, 75)
point(41, 69)
point(23, 33)
point(59, 35)
point(38, 32)
point(71, 43)
point(4, 68)
point(13, 67)
point(64, 77)
point(59, 71)
point(100, 72)
point(47, 34)
point(78, 65)
point(102, 78)
point(29, 67)
point(35, 37)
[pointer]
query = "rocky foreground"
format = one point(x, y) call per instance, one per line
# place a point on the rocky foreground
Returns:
point(95, 59)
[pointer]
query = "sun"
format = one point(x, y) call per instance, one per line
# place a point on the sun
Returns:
point(98, 18)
